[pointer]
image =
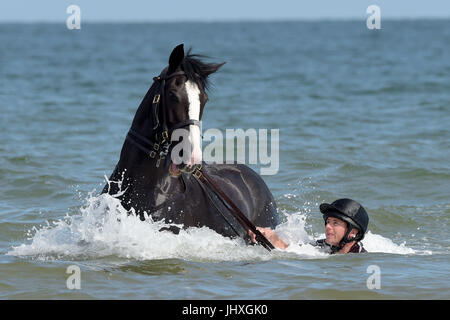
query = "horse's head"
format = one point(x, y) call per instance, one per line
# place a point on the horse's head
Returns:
point(175, 103)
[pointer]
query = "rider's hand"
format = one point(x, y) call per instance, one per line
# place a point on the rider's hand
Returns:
point(271, 236)
point(267, 232)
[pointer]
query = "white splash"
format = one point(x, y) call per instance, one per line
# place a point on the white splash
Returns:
point(376, 243)
point(104, 228)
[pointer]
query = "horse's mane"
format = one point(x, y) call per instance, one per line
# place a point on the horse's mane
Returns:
point(197, 70)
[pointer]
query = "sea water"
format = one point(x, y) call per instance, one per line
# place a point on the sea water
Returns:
point(362, 114)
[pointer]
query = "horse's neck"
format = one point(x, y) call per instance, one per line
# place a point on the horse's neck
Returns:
point(139, 172)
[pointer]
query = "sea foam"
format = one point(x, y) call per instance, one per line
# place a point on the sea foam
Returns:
point(103, 228)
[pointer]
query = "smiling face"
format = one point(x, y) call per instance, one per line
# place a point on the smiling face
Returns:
point(335, 230)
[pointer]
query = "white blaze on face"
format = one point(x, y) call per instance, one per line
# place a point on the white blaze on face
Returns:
point(193, 94)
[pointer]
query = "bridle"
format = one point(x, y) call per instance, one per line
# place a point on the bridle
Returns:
point(162, 132)
point(162, 144)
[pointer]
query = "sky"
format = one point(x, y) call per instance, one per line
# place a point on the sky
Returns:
point(217, 10)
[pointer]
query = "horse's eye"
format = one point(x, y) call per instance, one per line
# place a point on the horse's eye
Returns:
point(179, 82)
point(173, 96)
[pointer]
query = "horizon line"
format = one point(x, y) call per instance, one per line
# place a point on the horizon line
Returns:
point(226, 20)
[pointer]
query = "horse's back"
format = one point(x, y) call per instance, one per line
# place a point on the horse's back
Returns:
point(247, 190)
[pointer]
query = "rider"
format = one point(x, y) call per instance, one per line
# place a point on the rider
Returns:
point(345, 226)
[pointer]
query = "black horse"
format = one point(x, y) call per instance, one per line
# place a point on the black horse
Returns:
point(152, 185)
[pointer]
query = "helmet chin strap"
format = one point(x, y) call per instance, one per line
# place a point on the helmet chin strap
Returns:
point(345, 238)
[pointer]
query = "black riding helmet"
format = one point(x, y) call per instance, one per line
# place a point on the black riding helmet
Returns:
point(349, 211)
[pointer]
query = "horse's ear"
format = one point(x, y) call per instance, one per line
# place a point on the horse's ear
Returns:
point(176, 57)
